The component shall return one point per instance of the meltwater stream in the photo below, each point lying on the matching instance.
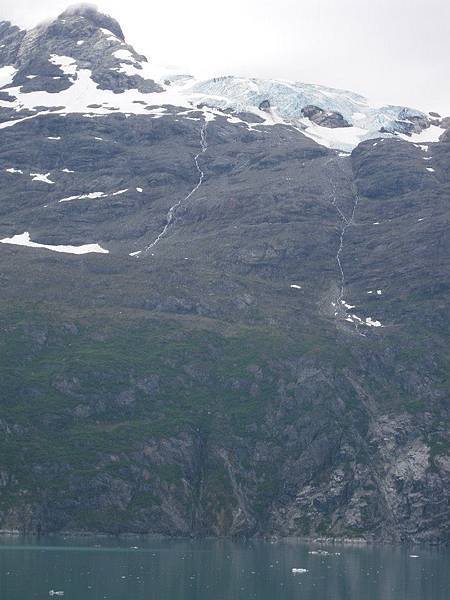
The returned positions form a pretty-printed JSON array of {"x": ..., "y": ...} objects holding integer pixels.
[
  {"x": 173, "y": 209},
  {"x": 131, "y": 569}
]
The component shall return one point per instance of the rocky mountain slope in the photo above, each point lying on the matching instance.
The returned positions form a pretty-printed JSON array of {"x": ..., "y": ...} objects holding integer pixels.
[{"x": 224, "y": 304}]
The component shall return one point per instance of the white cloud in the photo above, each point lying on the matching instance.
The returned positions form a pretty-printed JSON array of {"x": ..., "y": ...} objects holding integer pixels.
[{"x": 391, "y": 50}]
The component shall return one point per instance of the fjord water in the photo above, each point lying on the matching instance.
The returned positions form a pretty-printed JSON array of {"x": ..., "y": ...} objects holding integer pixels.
[{"x": 101, "y": 569}]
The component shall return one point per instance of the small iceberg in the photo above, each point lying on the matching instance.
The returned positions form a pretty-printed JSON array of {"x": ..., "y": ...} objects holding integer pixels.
[
  {"x": 299, "y": 570},
  {"x": 56, "y": 593}
]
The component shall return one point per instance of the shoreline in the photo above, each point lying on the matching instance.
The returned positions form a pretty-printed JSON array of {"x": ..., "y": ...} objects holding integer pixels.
[{"x": 324, "y": 541}]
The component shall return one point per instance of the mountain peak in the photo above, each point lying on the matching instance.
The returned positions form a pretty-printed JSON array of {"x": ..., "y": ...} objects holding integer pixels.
[{"x": 91, "y": 13}]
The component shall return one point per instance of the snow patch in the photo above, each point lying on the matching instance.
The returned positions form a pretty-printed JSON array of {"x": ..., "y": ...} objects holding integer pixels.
[
  {"x": 41, "y": 177},
  {"x": 430, "y": 134},
  {"x": 90, "y": 196},
  {"x": 340, "y": 138},
  {"x": 7, "y": 74},
  {"x": 123, "y": 54},
  {"x": 371, "y": 323},
  {"x": 67, "y": 64},
  {"x": 23, "y": 239},
  {"x": 347, "y": 306}
]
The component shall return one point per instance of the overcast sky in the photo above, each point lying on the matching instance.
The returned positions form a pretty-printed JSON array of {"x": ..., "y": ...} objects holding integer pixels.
[{"x": 394, "y": 51}]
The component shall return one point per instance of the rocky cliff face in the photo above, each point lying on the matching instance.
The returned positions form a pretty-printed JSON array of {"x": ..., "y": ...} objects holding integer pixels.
[{"x": 211, "y": 324}]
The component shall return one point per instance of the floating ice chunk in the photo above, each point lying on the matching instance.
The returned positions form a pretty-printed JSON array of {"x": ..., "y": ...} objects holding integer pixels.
[
  {"x": 377, "y": 223},
  {"x": 430, "y": 169},
  {"x": 294, "y": 570},
  {"x": 370, "y": 292},
  {"x": 139, "y": 189},
  {"x": 99, "y": 139},
  {"x": 53, "y": 138},
  {"x": 135, "y": 253},
  {"x": 427, "y": 158},
  {"x": 119, "y": 192},
  {"x": 295, "y": 286},
  {"x": 423, "y": 147},
  {"x": 23, "y": 239},
  {"x": 12, "y": 170},
  {"x": 413, "y": 556},
  {"x": 80, "y": 42},
  {"x": 31, "y": 76},
  {"x": 41, "y": 177},
  {"x": 65, "y": 170},
  {"x": 379, "y": 292}
]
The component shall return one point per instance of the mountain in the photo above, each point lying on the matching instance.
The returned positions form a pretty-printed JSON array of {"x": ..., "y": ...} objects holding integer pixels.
[{"x": 224, "y": 303}]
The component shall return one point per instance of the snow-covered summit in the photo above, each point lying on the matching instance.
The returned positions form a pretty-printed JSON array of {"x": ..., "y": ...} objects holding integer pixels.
[{"x": 80, "y": 62}]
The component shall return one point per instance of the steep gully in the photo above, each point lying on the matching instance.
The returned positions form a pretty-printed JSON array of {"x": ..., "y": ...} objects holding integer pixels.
[
  {"x": 340, "y": 305},
  {"x": 170, "y": 217},
  {"x": 346, "y": 222}
]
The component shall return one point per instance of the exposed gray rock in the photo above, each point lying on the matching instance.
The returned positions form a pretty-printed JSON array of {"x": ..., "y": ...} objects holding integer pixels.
[
  {"x": 87, "y": 36},
  {"x": 217, "y": 383},
  {"x": 324, "y": 118}
]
